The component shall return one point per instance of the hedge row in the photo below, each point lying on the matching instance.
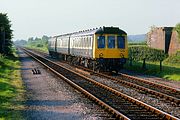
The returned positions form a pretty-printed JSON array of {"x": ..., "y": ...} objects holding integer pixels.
[{"x": 139, "y": 53}]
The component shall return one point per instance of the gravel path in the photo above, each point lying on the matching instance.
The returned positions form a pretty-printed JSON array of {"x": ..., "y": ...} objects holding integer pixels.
[{"x": 49, "y": 97}]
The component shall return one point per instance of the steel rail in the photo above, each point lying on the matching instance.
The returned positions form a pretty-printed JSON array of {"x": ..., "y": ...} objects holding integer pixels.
[{"x": 139, "y": 103}]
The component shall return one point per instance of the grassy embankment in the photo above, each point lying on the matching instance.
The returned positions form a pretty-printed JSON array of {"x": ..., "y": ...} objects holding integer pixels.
[
  {"x": 170, "y": 70},
  {"x": 11, "y": 88}
]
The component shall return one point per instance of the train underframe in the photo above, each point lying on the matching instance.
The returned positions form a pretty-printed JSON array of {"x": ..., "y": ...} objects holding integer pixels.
[{"x": 99, "y": 65}]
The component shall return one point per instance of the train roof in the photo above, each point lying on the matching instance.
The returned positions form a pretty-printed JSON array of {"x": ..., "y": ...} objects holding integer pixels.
[
  {"x": 101, "y": 30},
  {"x": 110, "y": 30}
]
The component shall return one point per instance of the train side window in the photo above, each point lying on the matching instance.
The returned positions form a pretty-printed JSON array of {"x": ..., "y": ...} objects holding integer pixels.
[
  {"x": 101, "y": 41},
  {"x": 121, "y": 42},
  {"x": 111, "y": 41}
]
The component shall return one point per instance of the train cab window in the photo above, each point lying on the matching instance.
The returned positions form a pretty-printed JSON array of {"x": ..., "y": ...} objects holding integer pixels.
[
  {"x": 111, "y": 41},
  {"x": 121, "y": 42},
  {"x": 101, "y": 41}
]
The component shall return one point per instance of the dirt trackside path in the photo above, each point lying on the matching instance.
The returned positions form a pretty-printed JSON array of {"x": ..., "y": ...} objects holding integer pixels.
[{"x": 49, "y": 97}]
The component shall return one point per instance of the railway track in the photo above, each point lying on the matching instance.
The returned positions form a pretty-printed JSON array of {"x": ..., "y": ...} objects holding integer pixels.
[
  {"x": 158, "y": 90},
  {"x": 121, "y": 105},
  {"x": 166, "y": 90}
]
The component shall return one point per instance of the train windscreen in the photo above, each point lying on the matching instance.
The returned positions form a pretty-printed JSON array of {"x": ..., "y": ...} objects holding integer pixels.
[
  {"x": 101, "y": 41},
  {"x": 111, "y": 41},
  {"x": 121, "y": 42}
]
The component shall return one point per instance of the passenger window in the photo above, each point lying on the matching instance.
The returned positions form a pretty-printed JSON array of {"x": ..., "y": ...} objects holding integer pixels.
[
  {"x": 101, "y": 41},
  {"x": 111, "y": 41},
  {"x": 121, "y": 42}
]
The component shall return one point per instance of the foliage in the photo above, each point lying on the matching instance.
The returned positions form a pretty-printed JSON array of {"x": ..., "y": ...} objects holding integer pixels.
[
  {"x": 20, "y": 42},
  {"x": 173, "y": 59},
  {"x": 169, "y": 70},
  {"x": 137, "y": 44},
  {"x": 38, "y": 43},
  {"x": 5, "y": 34},
  {"x": 139, "y": 53},
  {"x": 177, "y": 28},
  {"x": 11, "y": 88}
]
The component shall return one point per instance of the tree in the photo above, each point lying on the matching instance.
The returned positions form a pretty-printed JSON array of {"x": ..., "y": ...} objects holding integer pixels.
[
  {"x": 5, "y": 34},
  {"x": 30, "y": 39},
  {"x": 177, "y": 28}
]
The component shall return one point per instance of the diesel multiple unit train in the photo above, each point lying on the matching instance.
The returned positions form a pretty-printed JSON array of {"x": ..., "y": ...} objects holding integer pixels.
[{"x": 103, "y": 48}]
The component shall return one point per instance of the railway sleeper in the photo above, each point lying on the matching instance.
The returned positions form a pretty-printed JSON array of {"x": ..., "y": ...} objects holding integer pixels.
[
  {"x": 142, "y": 115},
  {"x": 146, "y": 118}
]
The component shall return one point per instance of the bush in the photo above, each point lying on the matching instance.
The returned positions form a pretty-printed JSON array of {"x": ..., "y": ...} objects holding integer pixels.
[
  {"x": 142, "y": 52},
  {"x": 173, "y": 59},
  {"x": 39, "y": 45}
]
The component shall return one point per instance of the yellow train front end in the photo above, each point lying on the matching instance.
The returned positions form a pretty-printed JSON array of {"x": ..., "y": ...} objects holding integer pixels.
[{"x": 110, "y": 48}]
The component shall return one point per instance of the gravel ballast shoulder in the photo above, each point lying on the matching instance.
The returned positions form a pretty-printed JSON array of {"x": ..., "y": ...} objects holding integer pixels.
[{"x": 49, "y": 97}]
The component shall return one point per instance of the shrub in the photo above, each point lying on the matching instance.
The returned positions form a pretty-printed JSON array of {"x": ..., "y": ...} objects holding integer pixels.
[{"x": 142, "y": 52}]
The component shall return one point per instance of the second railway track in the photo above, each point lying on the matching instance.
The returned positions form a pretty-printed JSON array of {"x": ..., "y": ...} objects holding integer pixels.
[
  {"x": 162, "y": 91},
  {"x": 121, "y": 105}
]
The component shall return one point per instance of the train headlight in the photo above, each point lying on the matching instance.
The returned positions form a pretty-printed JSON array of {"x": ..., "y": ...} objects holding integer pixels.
[
  {"x": 101, "y": 55},
  {"x": 121, "y": 55}
]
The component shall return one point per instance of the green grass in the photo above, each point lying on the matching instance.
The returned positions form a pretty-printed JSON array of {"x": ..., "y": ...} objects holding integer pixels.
[
  {"x": 169, "y": 71},
  {"x": 43, "y": 49},
  {"x": 39, "y": 45},
  {"x": 11, "y": 88}
]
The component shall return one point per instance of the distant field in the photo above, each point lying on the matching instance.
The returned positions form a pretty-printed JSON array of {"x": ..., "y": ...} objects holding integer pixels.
[
  {"x": 11, "y": 88},
  {"x": 39, "y": 45},
  {"x": 44, "y": 49}
]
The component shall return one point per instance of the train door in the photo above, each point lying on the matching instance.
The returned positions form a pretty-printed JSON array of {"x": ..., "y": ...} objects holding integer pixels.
[
  {"x": 69, "y": 44},
  {"x": 55, "y": 47}
]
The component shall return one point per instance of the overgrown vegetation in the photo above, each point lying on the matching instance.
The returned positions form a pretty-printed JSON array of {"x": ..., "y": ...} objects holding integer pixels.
[
  {"x": 11, "y": 88},
  {"x": 173, "y": 60},
  {"x": 177, "y": 28},
  {"x": 5, "y": 34}
]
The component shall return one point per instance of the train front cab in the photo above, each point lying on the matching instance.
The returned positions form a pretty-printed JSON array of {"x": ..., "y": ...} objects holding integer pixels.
[{"x": 110, "y": 51}]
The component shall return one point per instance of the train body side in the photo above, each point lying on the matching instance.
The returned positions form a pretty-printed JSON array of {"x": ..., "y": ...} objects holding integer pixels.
[
  {"x": 52, "y": 45},
  {"x": 82, "y": 45},
  {"x": 104, "y": 48},
  {"x": 63, "y": 44}
]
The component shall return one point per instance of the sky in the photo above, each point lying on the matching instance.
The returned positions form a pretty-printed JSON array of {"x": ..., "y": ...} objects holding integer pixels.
[{"x": 35, "y": 18}]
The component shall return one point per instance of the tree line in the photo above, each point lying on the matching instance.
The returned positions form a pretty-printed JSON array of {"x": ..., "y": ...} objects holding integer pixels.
[{"x": 5, "y": 34}]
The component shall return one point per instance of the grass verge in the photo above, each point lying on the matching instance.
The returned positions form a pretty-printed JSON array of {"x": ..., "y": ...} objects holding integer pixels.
[
  {"x": 169, "y": 71},
  {"x": 11, "y": 88}
]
